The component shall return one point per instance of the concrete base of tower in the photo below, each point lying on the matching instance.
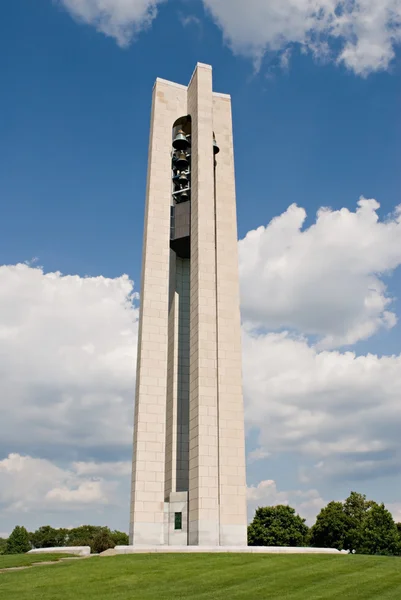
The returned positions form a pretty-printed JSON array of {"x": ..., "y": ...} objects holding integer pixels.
[
  {"x": 203, "y": 533},
  {"x": 146, "y": 534},
  {"x": 233, "y": 535}
]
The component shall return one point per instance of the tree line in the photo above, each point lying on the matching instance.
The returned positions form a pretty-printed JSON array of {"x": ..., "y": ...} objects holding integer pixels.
[
  {"x": 357, "y": 525},
  {"x": 97, "y": 537}
]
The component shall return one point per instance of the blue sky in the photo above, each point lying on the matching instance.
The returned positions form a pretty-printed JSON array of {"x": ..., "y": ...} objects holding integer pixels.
[{"x": 316, "y": 123}]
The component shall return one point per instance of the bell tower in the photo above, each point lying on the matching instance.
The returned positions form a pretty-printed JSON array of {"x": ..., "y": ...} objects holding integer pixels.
[{"x": 188, "y": 477}]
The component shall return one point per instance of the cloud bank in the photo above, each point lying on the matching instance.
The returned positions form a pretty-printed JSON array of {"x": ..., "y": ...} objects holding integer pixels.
[
  {"x": 67, "y": 363},
  {"x": 362, "y": 35},
  {"x": 34, "y": 484},
  {"x": 307, "y": 503},
  {"x": 326, "y": 280},
  {"x": 119, "y": 19},
  {"x": 67, "y": 367},
  {"x": 338, "y": 410}
]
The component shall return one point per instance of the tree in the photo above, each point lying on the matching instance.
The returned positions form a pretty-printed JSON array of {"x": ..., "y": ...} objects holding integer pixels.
[
  {"x": 3, "y": 545},
  {"x": 356, "y": 508},
  {"x": 358, "y": 525},
  {"x": 18, "y": 542},
  {"x": 378, "y": 534},
  {"x": 331, "y": 527},
  {"x": 102, "y": 541},
  {"x": 96, "y": 537},
  {"x": 84, "y": 535},
  {"x": 277, "y": 526},
  {"x": 48, "y": 537},
  {"x": 120, "y": 538}
]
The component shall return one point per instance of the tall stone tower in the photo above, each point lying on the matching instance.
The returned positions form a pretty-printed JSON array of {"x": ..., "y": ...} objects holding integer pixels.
[{"x": 188, "y": 480}]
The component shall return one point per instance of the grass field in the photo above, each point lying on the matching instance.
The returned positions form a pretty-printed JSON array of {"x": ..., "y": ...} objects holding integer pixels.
[
  {"x": 24, "y": 560},
  {"x": 208, "y": 577}
]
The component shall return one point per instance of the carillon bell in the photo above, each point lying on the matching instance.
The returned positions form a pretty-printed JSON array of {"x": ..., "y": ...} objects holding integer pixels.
[
  {"x": 216, "y": 149},
  {"x": 183, "y": 179},
  {"x": 182, "y": 162},
  {"x": 183, "y": 197},
  {"x": 180, "y": 141}
]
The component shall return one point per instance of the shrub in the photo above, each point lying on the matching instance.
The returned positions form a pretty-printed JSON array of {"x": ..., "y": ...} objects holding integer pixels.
[{"x": 18, "y": 542}]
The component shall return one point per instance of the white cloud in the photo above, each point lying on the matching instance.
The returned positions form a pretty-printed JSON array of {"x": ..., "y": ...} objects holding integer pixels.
[
  {"x": 257, "y": 454},
  {"x": 187, "y": 20},
  {"x": 87, "y": 492},
  {"x": 395, "y": 510},
  {"x": 67, "y": 364},
  {"x": 266, "y": 494},
  {"x": 32, "y": 484},
  {"x": 103, "y": 469},
  {"x": 67, "y": 367},
  {"x": 361, "y": 34},
  {"x": 120, "y": 19},
  {"x": 365, "y": 31},
  {"x": 307, "y": 503},
  {"x": 324, "y": 280},
  {"x": 340, "y": 410},
  {"x": 285, "y": 58}
]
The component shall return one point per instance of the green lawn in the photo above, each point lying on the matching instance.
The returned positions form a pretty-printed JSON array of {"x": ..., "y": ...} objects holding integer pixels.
[
  {"x": 209, "y": 577},
  {"x": 23, "y": 560}
]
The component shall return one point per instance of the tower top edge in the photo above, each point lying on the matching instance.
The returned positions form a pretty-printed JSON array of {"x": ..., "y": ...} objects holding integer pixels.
[
  {"x": 172, "y": 83},
  {"x": 179, "y": 85},
  {"x": 219, "y": 95},
  {"x": 185, "y": 87},
  {"x": 203, "y": 66},
  {"x": 200, "y": 65}
]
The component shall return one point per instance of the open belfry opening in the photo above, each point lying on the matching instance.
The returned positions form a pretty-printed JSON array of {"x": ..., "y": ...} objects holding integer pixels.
[{"x": 188, "y": 479}]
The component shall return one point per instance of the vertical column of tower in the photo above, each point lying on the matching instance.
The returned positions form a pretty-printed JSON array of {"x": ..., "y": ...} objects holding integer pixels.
[
  {"x": 203, "y": 424},
  {"x": 172, "y": 382},
  {"x": 148, "y": 477},
  {"x": 183, "y": 341},
  {"x": 232, "y": 479}
]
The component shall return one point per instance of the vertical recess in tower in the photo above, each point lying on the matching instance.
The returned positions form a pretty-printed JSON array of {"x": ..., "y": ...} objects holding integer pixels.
[
  {"x": 181, "y": 188},
  {"x": 180, "y": 243}
]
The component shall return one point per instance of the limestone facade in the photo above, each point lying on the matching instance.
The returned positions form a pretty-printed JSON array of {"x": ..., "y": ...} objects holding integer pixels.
[{"x": 189, "y": 455}]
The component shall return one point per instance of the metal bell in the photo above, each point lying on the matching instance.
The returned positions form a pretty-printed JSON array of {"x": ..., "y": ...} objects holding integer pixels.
[
  {"x": 182, "y": 162},
  {"x": 183, "y": 179},
  {"x": 216, "y": 149},
  {"x": 183, "y": 197},
  {"x": 180, "y": 141}
]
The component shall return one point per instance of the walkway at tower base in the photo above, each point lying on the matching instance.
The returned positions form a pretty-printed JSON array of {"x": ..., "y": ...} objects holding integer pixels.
[{"x": 225, "y": 549}]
